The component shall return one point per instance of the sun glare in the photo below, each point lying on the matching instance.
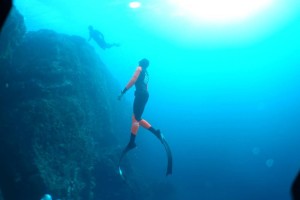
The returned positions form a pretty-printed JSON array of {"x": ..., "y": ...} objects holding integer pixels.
[
  {"x": 219, "y": 11},
  {"x": 134, "y": 4}
]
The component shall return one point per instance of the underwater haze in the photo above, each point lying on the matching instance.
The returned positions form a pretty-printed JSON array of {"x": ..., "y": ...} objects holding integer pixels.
[{"x": 224, "y": 87}]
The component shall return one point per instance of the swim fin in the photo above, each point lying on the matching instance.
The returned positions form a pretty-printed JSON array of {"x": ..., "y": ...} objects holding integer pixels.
[
  {"x": 170, "y": 158},
  {"x": 129, "y": 147},
  {"x": 161, "y": 138},
  {"x": 168, "y": 151}
]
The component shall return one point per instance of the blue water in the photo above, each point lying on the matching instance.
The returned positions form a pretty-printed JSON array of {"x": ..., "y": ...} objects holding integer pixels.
[{"x": 226, "y": 96}]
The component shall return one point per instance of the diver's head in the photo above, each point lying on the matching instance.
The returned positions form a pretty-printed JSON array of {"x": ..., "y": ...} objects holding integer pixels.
[
  {"x": 144, "y": 63},
  {"x": 91, "y": 27}
]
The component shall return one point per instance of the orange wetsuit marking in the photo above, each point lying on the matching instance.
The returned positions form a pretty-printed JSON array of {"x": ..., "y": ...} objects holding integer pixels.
[
  {"x": 134, "y": 126},
  {"x": 144, "y": 124}
]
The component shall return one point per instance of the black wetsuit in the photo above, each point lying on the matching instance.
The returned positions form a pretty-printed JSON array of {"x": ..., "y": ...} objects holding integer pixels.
[
  {"x": 141, "y": 94},
  {"x": 140, "y": 79},
  {"x": 99, "y": 38}
]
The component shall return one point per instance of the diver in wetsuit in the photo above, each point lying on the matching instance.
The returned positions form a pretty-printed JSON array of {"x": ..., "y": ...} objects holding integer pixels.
[
  {"x": 140, "y": 80},
  {"x": 98, "y": 37}
]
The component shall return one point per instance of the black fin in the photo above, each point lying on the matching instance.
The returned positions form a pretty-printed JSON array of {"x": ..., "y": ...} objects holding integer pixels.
[
  {"x": 170, "y": 158},
  {"x": 129, "y": 147},
  {"x": 168, "y": 151}
]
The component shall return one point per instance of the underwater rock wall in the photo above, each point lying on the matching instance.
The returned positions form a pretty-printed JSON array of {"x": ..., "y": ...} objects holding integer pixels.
[
  {"x": 60, "y": 119},
  {"x": 11, "y": 35}
]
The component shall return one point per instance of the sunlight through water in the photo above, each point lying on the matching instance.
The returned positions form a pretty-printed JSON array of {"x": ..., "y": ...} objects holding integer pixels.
[
  {"x": 219, "y": 11},
  {"x": 134, "y": 4}
]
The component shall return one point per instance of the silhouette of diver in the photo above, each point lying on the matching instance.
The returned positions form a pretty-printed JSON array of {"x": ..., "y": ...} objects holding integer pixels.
[
  {"x": 296, "y": 188},
  {"x": 98, "y": 37},
  {"x": 140, "y": 80}
]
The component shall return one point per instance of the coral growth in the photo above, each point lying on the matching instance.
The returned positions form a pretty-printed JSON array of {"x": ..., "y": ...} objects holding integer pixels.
[{"x": 60, "y": 121}]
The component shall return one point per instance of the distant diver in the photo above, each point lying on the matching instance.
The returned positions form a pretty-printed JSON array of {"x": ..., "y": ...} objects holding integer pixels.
[
  {"x": 140, "y": 79},
  {"x": 98, "y": 37}
]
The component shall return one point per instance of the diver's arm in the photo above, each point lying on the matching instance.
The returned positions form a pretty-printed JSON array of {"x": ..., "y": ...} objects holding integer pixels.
[
  {"x": 131, "y": 82},
  {"x": 134, "y": 78}
]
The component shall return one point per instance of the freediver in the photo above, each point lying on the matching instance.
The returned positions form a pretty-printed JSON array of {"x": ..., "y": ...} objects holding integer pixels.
[
  {"x": 140, "y": 80},
  {"x": 98, "y": 37}
]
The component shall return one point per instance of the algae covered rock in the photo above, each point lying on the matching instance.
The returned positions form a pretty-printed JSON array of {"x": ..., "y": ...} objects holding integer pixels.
[
  {"x": 11, "y": 34},
  {"x": 60, "y": 120}
]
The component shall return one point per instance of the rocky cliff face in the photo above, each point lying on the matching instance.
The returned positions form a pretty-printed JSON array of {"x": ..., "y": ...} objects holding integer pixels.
[{"x": 60, "y": 120}]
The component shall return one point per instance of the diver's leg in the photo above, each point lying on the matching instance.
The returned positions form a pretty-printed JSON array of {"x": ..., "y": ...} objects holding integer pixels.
[
  {"x": 148, "y": 126},
  {"x": 159, "y": 136},
  {"x": 131, "y": 144},
  {"x": 100, "y": 43},
  {"x": 137, "y": 111},
  {"x": 139, "y": 105},
  {"x": 134, "y": 130},
  {"x": 115, "y": 44},
  {"x": 109, "y": 45}
]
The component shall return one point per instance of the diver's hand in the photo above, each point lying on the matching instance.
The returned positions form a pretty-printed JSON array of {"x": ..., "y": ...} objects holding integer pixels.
[
  {"x": 122, "y": 93},
  {"x": 120, "y": 96}
]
